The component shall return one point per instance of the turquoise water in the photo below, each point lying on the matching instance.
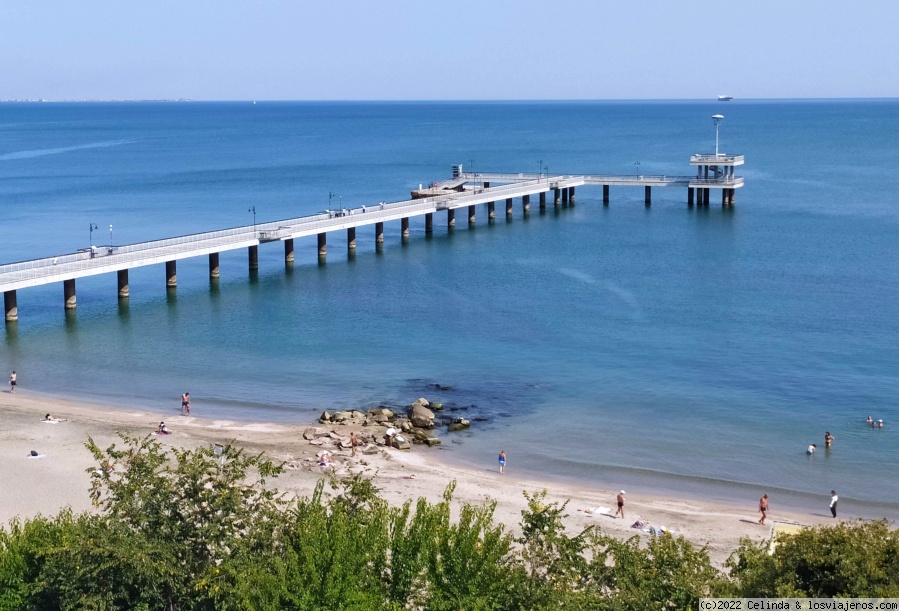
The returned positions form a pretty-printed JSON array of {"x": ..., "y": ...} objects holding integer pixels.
[{"x": 699, "y": 350}]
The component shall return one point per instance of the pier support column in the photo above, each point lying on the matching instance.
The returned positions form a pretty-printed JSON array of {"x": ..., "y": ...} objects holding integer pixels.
[
  {"x": 213, "y": 265},
  {"x": 724, "y": 197},
  {"x": 351, "y": 239},
  {"x": 68, "y": 288},
  {"x": 10, "y": 306},
  {"x": 253, "y": 257},
  {"x": 379, "y": 233},
  {"x": 450, "y": 219},
  {"x": 647, "y": 195},
  {"x": 706, "y": 196},
  {"x": 543, "y": 201},
  {"x": 404, "y": 227},
  {"x": 690, "y": 197},
  {"x": 322, "y": 245},
  {"x": 509, "y": 208},
  {"x": 429, "y": 222},
  {"x": 564, "y": 197},
  {"x": 571, "y": 195},
  {"x": 171, "y": 274},
  {"x": 556, "y": 197},
  {"x": 124, "y": 290},
  {"x": 472, "y": 218},
  {"x": 288, "y": 251},
  {"x": 526, "y": 203},
  {"x": 605, "y": 195},
  {"x": 486, "y": 185},
  {"x": 491, "y": 211},
  {"x": 732, "y": 194}
]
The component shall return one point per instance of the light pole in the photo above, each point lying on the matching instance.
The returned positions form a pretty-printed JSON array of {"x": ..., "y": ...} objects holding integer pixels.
[
  {"x": 110, "y": 237},
  {"x": 471, "y": 169},
  {"x": 539, "y": 170},
  {"x": 91, "y": 233},
  {"x": 253, "y": 210},
  {"x": 637, "y": 163},
  {"x": 716, "y": 118}
]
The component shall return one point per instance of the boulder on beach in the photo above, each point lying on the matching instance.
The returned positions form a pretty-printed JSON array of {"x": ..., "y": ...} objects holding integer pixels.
[
  {"x": 380, "y": 414},
  {"x": 325, "y": 417},
  {"x": 432, "y": 441},
  {"x": 309, "y": 434},
  {"x": 420, "y": 415},
  {"x": 400, "y": 443},
  {"x": 458, "y": 424}
]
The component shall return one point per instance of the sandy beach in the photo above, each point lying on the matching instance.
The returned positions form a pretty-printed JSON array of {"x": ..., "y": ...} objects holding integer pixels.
[{"x": 58, "y": 478}]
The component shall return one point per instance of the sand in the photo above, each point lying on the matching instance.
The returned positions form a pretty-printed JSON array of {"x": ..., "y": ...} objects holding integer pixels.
[{"x": 32, "y": 486}]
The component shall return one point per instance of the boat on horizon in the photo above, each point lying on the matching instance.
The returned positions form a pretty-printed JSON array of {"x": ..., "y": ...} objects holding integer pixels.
[{"x": 725, "y": 98}]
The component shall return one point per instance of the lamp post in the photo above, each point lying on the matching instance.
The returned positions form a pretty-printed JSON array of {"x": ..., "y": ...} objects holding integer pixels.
[
  {"x": 637, "y": 163},
  {"x": 539, "y": 170},
  {"x": 471, "y": 169},
  {"x": 91, "y": 233},
  {"x": 253, "y": 210},
  {"x": 717, "y": 119},
  {"x": 110, "y": 236}
]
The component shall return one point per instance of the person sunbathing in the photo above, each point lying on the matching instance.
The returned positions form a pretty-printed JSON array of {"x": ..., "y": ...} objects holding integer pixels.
[
  {"x": 49, "y": 418},
  {"x": 161, "y": 430}
]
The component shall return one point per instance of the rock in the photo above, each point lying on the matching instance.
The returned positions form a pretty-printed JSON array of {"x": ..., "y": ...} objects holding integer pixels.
[
  {"x": 317, "y": 442},
  {"x": 420, "y": 415},
  {"x": 381, "y": 414},
  {"x": 345, "y": 444},
  {"x": 325, "y": 417},
  {"x": 480, "y": 419},
  {"x": 435, "y": 406},
  {"x": 432, "y": 441},
  {"x": 442, "y": 387},
  {"x": 400, "y": 443},
  {"x": 420, "y": 435},
  {"x": 370, "y": 449},
  {"x": 406, "y": 426},
  {"x": 341, "y": 416},
  {"x": 459, "y": 424},
  {"x": 309, "y": 434},
  {"x": 320, "y": 432}
]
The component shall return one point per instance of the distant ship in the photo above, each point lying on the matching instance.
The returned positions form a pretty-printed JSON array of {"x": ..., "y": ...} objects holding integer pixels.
[{"x": 725, "y": 98}]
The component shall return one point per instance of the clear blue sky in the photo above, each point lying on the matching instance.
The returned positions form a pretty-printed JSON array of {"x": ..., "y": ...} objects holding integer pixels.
[{"x": 448, "y": 50}]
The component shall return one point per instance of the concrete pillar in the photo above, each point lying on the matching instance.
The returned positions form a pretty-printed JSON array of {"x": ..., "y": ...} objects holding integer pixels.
[
  {"x": 556, "y": 197},
  {"x": 724, "y": 197},
  {"x": 429, "y": 222},
  {"x": 404, "y": 226},
  {"x": 351, "y": 239},
  {"x": 450, "y": 218},
  {"x": 733, "y": 192},
  {"x": 605, "y": 194},
  {"x": 526, "y": 203},
  {"x": 471, "y": 215},
  {"x": 288, "y": 251},
  {"x": 543, "y": 201},
  {"x": 509, "y": 208},
  {"x": 647, "y": 195},
  {"x": 253, "y": 256},
  {"x": 564, "y": 197},
  {"x": 213, "y": 265},
  {"x": 705, "y": 197},
  {"x": 689, "y": 196},
  {"x": 486, "y": 185},
  {"x": 10, "y": 306},
  {"x": 124, "y": 290},
  {"x": 171, "y": 273},
  {"x": 571, "y": 195},
  {"x": 491, "y": 211},
  {"x": 322, "y": 244},
  {"x": 68, "y": 287},
  {"x": 379, "y": 233}
]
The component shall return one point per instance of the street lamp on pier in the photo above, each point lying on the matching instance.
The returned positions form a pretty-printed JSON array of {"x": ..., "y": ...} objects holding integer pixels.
[
  {"x": 717, "y": 119},
  {"x": 93, "y": 226},
  {"x": 253, "y": 210}
]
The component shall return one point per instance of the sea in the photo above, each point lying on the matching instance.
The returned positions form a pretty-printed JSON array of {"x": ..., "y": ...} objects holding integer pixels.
[{"x": 667, "y": 349}]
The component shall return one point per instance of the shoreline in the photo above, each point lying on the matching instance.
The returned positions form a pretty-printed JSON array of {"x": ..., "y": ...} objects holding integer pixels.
[{"x": 59, "y": 479}]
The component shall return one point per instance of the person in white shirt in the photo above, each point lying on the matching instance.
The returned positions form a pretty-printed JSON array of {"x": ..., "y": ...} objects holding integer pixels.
[{"x": 833, "y": 502}]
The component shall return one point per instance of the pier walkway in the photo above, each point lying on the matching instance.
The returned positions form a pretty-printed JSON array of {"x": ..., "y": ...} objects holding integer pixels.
[{"x": 465, "y": 190}]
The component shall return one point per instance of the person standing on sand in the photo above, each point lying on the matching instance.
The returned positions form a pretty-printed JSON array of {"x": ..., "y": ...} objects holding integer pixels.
[
  {"x": 13, "y": 381},
  {"x": 763, "y": 508},
  {"x": 185, "y": 404},
  {"x": 502, "y": 462},
  {"x": 833, "y": 502},
  {"x": 354, "y": 441},
  {"x": 620, "y": 500}
]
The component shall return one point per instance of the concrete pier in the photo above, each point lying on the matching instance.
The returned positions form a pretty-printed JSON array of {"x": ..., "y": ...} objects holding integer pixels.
[
  {"x": 253, "y": 257},
  {"x": 404, "y": 227},
  {"x": 68, "y": 288},
  {"x": 557, "y": 196},
  {"x": 124, "y": 289},
  {"x": 542, "y": 197},
  {"x": 526, "y": 203},
  {"x": 214, "y": 265},
  {"x": 10, "y": 306},
  {"x": 429, "y": 222},
  {"x": 450, "y": 219},
  {"x": 472, "y": 219},
  {"x": 351, "y": 239},
  {"x": 322, "y": 245},
  {"x": 379, "y": 233},
  {"x": 288, "y": 251},
  {"x": 605, "y": 195},
  {"x": 690, "y": 196},
  {"x": 171, "y": 274},
  {"x": 491, "y": 211},
  {"x": 509, "y": 208},
  {"x": 564, "y": 197},
  {"x": 647, "y": 195},
  {"x": 571, "y": 195}
]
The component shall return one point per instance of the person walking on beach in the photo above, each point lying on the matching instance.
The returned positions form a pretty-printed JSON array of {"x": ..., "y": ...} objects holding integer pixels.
[
  {"x": 828, "y": 439},
  {"x": 833, "y": 503},
  {"x": 185, "y": 404},
  {"x": 354, "y": 441},
  {"x": 620, "y": 500},
  {"x": 13, "y": 381},
  {"x": 502, "y": 462},
  {"x": 763, "y": 508}
]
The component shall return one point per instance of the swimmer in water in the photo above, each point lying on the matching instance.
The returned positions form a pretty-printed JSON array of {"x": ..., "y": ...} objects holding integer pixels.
[
  {"x": 870, "y": 420},
  {"x": 828, "y": 439},
  {"x": 811, "y": 449}
]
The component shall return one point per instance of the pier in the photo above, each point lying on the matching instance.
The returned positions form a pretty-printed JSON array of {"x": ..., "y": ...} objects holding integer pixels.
[{"x": 464, "y": 191}]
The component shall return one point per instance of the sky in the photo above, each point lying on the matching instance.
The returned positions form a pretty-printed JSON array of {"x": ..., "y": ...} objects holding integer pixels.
[{"x": 456, "y": 50}]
